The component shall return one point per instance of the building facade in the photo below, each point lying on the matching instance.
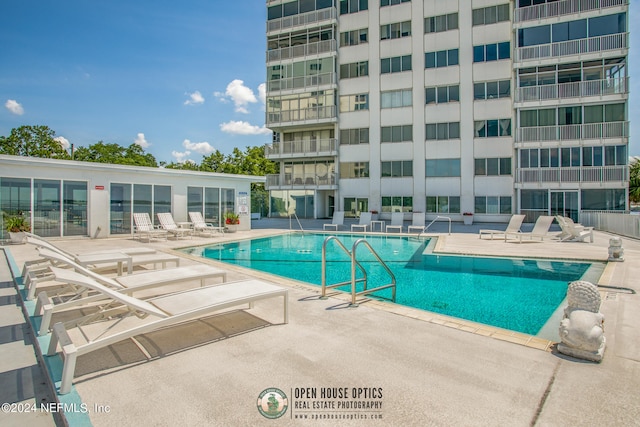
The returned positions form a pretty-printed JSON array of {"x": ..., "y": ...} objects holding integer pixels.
[
  {"x": 490, "y": 107},
  {"x": 62, "y": 198}
]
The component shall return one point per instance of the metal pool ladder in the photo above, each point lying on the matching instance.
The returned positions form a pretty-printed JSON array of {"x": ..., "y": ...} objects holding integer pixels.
[{"x": 355, "y": 263}]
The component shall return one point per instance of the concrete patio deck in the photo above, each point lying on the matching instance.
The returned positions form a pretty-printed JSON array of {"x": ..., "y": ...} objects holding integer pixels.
[{"x": 415, "y": 369}]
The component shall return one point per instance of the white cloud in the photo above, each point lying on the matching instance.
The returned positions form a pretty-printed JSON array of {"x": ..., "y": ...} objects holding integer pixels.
[
  {"x": 262, "y": 93},
  {"x": 203, "y": 148},
  {"x": 14, "y": 107},
  {"x": 194, "y": 98},
  {"x": 243, "y": 128},
  {"x": 141, "y": 141},
  {"x": 241, "y": 95},
  {"x": 64, "y": 142},
  {"x": 180, "y": 157}
]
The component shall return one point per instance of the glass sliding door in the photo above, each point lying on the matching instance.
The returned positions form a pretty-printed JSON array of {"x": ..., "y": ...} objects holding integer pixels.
[
  {"x": 228, "y": 200},
  {"x": 194, "y": 200},
  {"x": 212, "y": 206},
  {"x": 46, "y": 208},
  {"x": 565, "y": 203},
  {"x": 142, "y": 201},
  {"x": 161, "y": 199},
  {"x": 75, "y": 208},
  {"x": 15, "y": 199},
  {"x": 120, "y": 215}
]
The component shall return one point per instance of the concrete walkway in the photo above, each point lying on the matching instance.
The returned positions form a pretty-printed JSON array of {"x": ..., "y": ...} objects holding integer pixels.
[{"x": 420, "y": 371}]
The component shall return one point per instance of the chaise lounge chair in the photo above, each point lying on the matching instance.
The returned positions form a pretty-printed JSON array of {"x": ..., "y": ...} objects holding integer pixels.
[
  {"x": 417, "y": 222},
  {"x": 145, "y": 228},
  {"x": 75, "y": 297},
  {"x": 540, "y": 230},
  {"x": 200, "y": 226},
  {"x": 513, "y": 227},
  {"x": 167, "y": 223},
  {"x": 397, "y": 220},
  {"x": 78, "y": 338},
  {"x": 365, "y": 221},
  {"x": 336, "y": 222},
  {"x": 573, "y": 232}
]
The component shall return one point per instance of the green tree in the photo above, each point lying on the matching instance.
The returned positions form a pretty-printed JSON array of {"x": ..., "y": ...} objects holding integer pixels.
[
  {"x": 33, "y": 141},
  {"x": 100, "y": 152},
  {"x": 634, "y": 182}
]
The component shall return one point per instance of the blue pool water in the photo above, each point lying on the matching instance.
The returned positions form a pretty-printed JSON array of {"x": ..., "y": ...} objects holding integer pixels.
[{"x": 515, "y": 294}]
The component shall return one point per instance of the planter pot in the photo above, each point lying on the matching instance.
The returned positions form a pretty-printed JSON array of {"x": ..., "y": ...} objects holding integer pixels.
[
  {"x": 231, "y": 228},
  {"x": 468, "y": 219},
  {"x": 17, "y": 237}
]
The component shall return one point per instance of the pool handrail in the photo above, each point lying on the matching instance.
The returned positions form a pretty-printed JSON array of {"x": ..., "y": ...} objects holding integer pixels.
[
  {"x": 366, "y": 291},
  {"x": 434, "y": 220},
  {"x": 324, "y": 267}
]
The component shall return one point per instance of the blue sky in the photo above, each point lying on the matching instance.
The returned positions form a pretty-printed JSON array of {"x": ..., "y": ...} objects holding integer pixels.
[{"x": 182, "y": 79}]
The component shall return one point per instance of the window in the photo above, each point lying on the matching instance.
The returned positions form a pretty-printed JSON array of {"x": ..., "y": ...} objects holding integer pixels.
[
  {"x": 604, "y": 200},
  {"x": 397, "y": 169},
  {"x": 442, "y": 94},
  {"x": 492, "y": 90},
  {"x": 442, "y": 131},
  {"x": 392, "y": 2},
  {"x": 492, "y": 52},
  {"x": 396, "y": 133},
  {"x": 396, "y": 64},
  {"x": 491, "y": 15},
  {"x": 443, "y": 204},
  {"x": 355, "y": 69},
  {"x": 354, "y": 102},
  {"x": 354, "y": 170},
  {"x": 354, "y": 38},
  {"x": 441, "y": 58},
  {"x": 396, "y": 99},
  {"x": 397, "y": 204},
  {"x": 492, "y": 205},
  {"x": 492, "y": 128},
  {"x": 354, "y": 136},
  {"x": 442, "y": 167},
  {"x": 395, "y": 31},
  {"x": 437, "y": 24},
  {"x": 493, "y": 166},
  {"x": 353, "y": 6}
]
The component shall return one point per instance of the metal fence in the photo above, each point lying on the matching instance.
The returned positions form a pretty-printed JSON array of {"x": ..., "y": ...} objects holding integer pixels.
[{"x": 624, "y": 224}]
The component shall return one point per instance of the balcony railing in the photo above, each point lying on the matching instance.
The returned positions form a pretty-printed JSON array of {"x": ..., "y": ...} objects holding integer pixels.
[
  {"x": 573, "y": 174},
  {"x": 302, "y": 181},
  {"x": 324, "y": 46},
  {"x": 573, "y": 90},
  {"x": 318, "y": 147},
  {"x": 313, "y": 114},
  {"x": 574, "y": 132},
  {"x": 565, "y": 7},
  {"x": 301, "y": 82},
  {"x": 302, "y": 19},
  {"x": 573, "y": 47}
]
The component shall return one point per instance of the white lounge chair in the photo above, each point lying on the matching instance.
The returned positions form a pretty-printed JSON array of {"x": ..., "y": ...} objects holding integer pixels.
[
  {"x": 540, "y": 230},
  {"x": 78, "y": 338},
  {"x": 397, "y": 221},
  {"x": 417, "y": 222},
  {"x": 572, "y": 231},
  {"x": 200, "y": 226},
  {"x": 364, "y": 222},
  {"x": 336, "y": 222},
  {"x": 75, "y": 297},
  {"x": 513, "y": 227},
  {"x": 145, "y": 228},
  {"x": 167, "y": 223}
]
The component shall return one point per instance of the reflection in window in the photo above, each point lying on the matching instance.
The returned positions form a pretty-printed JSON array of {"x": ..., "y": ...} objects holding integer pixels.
[{"x": 75, "y": 208}]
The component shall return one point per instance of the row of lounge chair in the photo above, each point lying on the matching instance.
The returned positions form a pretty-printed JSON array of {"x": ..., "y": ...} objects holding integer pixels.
[
  {"x": 365, "y": 221},
  {"x": 144, "y": 227},
  {"x": 100, "y": 311}
]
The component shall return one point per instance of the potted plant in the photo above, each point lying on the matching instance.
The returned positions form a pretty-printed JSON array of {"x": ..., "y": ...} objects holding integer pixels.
[
  {"x": 467, "y": 217},
  {"x": 16, "y": 226},
  {"x": 231, "y": 221}
]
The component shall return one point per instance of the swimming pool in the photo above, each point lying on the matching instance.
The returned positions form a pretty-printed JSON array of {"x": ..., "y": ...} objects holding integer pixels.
[{"x": 516, "y": 294}]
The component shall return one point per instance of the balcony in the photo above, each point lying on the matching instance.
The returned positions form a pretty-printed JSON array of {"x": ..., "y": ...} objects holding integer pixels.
[
  {"x": 324, "y": 79},
  {"x": 565, "y": 7},
  {"x": 573, "y": 90},
  {"x": 324, "y": 46},
  {"x": 573, "y": 174},
  {"x": 320, "y": 114},
  {"x": 574, "y": 132},
  {"x": 306, "y": 148},
  {"x": 573, "y": 47},
  {"x": 301, "y": 182},
  {"x": 303, "y": 19}
]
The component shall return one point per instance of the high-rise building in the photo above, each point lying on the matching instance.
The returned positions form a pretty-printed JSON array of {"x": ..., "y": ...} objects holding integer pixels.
[{"x": 490, "y": 107}]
